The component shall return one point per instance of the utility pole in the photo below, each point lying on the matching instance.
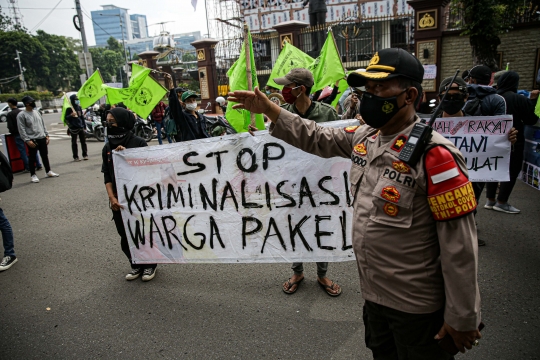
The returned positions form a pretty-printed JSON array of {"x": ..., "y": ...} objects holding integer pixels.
[
  {"x": 83, "y": 35},
  {"x": 124, "y": 43},
  {"x": 23, "y": 83}
]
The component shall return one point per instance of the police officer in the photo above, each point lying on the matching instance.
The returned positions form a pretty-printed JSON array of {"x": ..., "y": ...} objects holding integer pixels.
[{"x": 414, "y": 234}]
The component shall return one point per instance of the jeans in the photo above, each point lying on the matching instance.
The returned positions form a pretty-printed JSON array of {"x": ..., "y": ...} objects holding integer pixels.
[
  {"x": 322, "y": 268},
  {"x": 41, "y": 146},
  {"x": 396, "y": 335},
  {"x": 22, "y": 150},
  {"x": 7, "y": 235},
  {"x": 516, "y": 159},
  {"x": 74, "y": 148},
  {"x": 159, "y": 125},
  {"x": 117, "y": 217}
]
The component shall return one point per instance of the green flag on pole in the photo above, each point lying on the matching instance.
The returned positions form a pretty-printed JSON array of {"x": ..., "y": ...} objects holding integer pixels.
[
  {"x": 138, "y": 75},
  {"x": 146, "y": 97},
  {"x": 240, "y": 119},
  {"x": 117, "y": 95},
  {"x": 91, "y": 90},
  {"x": 537, "y": 108},
  {"x": 289, "y": 58},
  {"x": 327, "y": 68},
  {"x": 66, "y": 105}
]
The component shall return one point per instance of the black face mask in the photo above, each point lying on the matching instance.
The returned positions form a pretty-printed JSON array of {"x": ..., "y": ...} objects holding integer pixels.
[
  {"x": 377, "y": 111},
  {"x": 452, "y": 106},
  {"x": 32, "y": 105}
]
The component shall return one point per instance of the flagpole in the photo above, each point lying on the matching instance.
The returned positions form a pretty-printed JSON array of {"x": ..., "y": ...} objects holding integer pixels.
[
  {"x": 337, "y": 49},
  {"x": 247, "y": 49}
]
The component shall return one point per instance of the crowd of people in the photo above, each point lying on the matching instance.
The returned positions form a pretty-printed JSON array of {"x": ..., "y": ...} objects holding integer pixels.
[{"x": 418, "y": 272}]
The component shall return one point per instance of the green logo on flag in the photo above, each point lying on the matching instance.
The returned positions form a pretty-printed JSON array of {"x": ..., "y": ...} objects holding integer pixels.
[
  {"x": 143, "y": 97},
  {"x": 90, "y": 90}
]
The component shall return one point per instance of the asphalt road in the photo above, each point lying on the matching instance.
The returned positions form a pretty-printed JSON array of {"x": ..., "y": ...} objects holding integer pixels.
[{"x": 67, "y": 298}]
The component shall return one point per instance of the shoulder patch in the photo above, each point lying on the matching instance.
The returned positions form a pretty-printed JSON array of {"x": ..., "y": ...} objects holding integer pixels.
[
  {"x": 360, "y": 149},
  {"x": 401, "y": 167},
  {"x": 450, "y": 193},
  {"x": 399, "y": 143},
  {"x": 351, "y": 129}
]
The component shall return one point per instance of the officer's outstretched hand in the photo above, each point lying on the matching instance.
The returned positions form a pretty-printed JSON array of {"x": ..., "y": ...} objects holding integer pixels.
[
  {"x": 255, "y": 101},
  {"x": 462, "y": 339}
]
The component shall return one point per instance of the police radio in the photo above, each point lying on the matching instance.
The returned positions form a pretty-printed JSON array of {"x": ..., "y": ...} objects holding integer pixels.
[{"x": 420, "y": 135}]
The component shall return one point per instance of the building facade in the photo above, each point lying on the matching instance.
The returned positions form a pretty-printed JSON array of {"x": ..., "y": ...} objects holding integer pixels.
[{"x": 116, "y": 22}]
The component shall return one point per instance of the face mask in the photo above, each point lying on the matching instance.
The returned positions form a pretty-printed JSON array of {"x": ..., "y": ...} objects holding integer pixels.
[
  {"x": 116, "y": 131},
  {"x": 452, "y": 106},
  {"x": 377, "y": 111},
  {"x": 77, "y": 102},
  {"x": 191, "y": 106},
  {"x": 267, "y": 92},
  {"x": 287, "y": 94},
  {"x": 32, "y": 105}
]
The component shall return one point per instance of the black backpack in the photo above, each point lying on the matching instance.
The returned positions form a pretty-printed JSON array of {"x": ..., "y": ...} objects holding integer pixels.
[
  {"x": 6, "y": 175},
  {"x": 473, "y": 107}
]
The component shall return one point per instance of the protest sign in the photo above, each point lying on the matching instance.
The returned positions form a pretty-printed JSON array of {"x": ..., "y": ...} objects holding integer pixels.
[
  {"x": 235, "y": 199},
  {"x": 531, "y": 157},
  {"x": 483, "y": 141}
]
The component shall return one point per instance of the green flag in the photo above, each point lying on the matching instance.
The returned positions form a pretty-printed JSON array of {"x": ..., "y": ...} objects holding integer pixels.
[
  {"x": 138, "y": 75},
  {"x": 537, "y": 108},
  {"x": 289, "y": 58},
  {"x": 91, "y": 90},
  {"x": 342, "y": 87},
  {"x": 66, "y": 105},
  {"x": 240, "y": 119},
  {"x": 146, "y": 97},
  {"x": 116, "y": 95},
  {"x": 327, "y": 68}
]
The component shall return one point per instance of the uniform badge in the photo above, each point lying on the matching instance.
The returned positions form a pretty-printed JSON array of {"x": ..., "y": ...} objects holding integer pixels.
[
  {"x": 360, "y": 149},
  {"x": 375, "y": 136},
  {"x": 351, "y": 129},
  {"x": 391, "y": 209},
  {"x": 387, "y": 107},
  {"x": 399, "y": 143},
  {"x": 390, "y": 193},
  {"x": 401, "y": 167}
]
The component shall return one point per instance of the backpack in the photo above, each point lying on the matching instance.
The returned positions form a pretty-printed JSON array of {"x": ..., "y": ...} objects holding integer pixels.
[
  {"x": 473, "y": 107},
  {"x": 6, "y": 175}
]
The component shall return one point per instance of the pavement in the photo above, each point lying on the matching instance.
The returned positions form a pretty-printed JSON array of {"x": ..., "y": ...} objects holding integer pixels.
[{"x": 66, "y": 298}]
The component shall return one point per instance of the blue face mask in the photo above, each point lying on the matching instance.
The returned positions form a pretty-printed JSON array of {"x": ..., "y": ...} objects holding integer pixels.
[{"x": 77, "y": 102}]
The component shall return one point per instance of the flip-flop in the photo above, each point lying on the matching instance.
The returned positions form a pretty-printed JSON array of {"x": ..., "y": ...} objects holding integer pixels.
[
  {"x": 297, "y": 283},
  {"x": 326, "y": 287}
]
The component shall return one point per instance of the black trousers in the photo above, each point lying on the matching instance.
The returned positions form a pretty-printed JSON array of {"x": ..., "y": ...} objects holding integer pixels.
[
  {"x": 317, "y": 36},
  {"x": 395, "y": 335},
  {"x": 41, "y": 146},
  {"x": 117, "y": 217},
  {"x": 516, "y": 159},
  {"x": 74, "y": 148}
]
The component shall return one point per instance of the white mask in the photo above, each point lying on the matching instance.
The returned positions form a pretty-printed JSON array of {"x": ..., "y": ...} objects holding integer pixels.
[{"x": 191, "y": 106}]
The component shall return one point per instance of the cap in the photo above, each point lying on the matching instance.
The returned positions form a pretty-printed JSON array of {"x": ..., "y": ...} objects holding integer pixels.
[
  {"x": 388, "y": 64},
  {"x": 497, "y": 76},
  {"x": 27, "y": 99},
  {"x": 180, "y": 89},
  {"x": 481, "y": 73},
  {"x": 462, "y": 85},
  {"x": 298, "y": 76},
  {"x": 465, "y": 75},
  {"x": 188, "y": 94}
]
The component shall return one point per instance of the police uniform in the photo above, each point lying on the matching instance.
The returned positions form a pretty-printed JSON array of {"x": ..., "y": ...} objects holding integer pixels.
[{"x": 414, "y": 234}]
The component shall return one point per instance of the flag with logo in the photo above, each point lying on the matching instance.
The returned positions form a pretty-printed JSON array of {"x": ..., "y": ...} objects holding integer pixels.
[
  {"x": 327, "y": 67},
  {"x": 66, "y": 105},
  {"x": 146, "y": 97},
  {"x": 138, "y": 75},
  {"x": 240, "y": 119},
  {"x": 289, "y": 58},
  {"x": 118, "y": 95},
  {"x": 91, "y": 90}
]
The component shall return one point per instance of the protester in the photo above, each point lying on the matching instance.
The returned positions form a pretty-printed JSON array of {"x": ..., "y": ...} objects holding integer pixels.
[
  {"x": 496, "y": 78},
  {"x": 271, "y": 90},
  {"x": 6, "y": 180},
  {"x": 522, "y": 111},
  {"x": 120, "y": 123},
  {"x": 14, "y": 131},
  {"x": 297, "y": 87},
  {"x": 157, "y": 115},
  {"x": 34, "y": 133},
  {"x": 222, "y": 104},
  {"x": 190, "y": 125},
  {"x": 75, "y": 121},
  {"x": 352, "y": 106},
  {"x": 328, "y": 94},
  {"x": 417, "y": 264}
]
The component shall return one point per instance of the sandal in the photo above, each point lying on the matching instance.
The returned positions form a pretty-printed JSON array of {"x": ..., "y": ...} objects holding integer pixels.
[
  {"x": 326, "y": 288},
  {"x": 289, "y": 291}
]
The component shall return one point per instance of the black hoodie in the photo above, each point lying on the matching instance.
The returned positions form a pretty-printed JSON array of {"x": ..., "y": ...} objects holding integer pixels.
[
  {"x": 521, "y": 108},
  {"x": 188, "y": 127},
  {"x": 74, "y": 123}
]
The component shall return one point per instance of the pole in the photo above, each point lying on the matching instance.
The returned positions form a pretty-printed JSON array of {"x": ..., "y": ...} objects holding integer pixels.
[
  {"x": 124, "y": 43},
  {"x": 249, "y": 78},
  {"x": 206, "y": 11},
  {"x": 20, "y": 68},
  {"x": 83, "y": 35},
  {"x": 121, "y": 80}
]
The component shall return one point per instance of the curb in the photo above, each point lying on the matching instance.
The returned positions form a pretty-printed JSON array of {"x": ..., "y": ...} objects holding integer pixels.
[{"x": 52, "y": 111}]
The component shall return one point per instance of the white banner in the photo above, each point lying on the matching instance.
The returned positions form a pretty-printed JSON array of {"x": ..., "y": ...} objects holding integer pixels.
[
  {"x": 483, "y": 141},
  {"x": 235, "y": 199}
]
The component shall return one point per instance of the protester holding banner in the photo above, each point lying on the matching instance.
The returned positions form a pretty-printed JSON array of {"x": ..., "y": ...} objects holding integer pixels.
[
  {"x": 76, "y": 124},
  {"x": 414, "y": 234},
  {"x": 522, "y": 110},
  {"x": 120, "y": 123}
]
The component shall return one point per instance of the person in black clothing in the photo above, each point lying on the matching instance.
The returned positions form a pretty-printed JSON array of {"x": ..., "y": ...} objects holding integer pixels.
[
  {"x": 327, "y": 99},
  {"x": 522, "y": 109},
  {"x": 120, "y": 123},
  {"x": 75, "y": 121},
  {"x": 190, "y": 125},
  {"x": 14, "y": 131}
]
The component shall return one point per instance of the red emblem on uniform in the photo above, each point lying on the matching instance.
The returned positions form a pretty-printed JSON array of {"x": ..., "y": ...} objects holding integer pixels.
[
  {"x": 360, "y": 149},
  {"x": 351, "y": 129},
  {"x": 375, "y": 136},
  {"x": 401, "y": 167},
  {"x": 391, "y": 209},
  {"x": 399, "y": 143},
  {"x": 390, "y": 193}
]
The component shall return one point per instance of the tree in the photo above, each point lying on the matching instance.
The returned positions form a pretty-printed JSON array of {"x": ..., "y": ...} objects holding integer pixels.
[
  {"x": 188, "y": 57},
  {"x": 483, "y": 22},
  {"x": 114, "y": 45},
  {"x": 107, "y": 61}
]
